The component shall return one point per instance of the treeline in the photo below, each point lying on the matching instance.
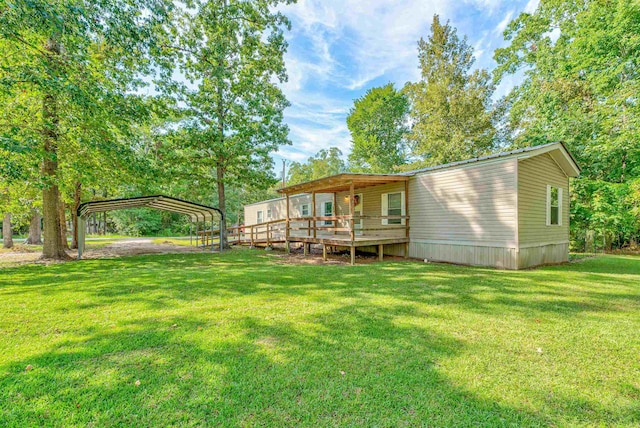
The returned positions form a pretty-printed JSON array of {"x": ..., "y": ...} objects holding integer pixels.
[
  {"x": 120, "y": 98},
  {"x": 580, "y": 63}
]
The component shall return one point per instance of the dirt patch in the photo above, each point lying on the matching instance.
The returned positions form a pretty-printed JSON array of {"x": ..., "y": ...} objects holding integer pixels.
[
  {"x": 23, "y": 254},
  {"x": 133, "y": 247}
]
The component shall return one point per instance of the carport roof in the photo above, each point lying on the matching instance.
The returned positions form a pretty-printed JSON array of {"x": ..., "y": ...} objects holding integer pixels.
[{"x": 161, "y": 202}]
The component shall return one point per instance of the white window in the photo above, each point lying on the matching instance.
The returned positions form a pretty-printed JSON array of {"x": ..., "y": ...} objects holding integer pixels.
[
  {"x": 327, "y": 212},
  {"x": 554, "y": 206},
  {"x": 269, "y": 217},
  {"x": 304, "y": 210},
  {"x": 393, "y": 205},
  {"x": 260, "y": 217}
]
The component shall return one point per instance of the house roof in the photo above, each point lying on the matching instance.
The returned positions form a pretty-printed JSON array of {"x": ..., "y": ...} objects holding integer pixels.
[
  {"x": 161, "y": 202},
  {"x": 342, "y": 182},
  {"x": 556, "y": 150}
]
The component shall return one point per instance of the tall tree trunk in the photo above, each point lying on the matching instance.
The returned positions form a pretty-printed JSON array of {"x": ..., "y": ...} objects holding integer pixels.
[
  {"x": 7, "y": 233},
  {"x": 53, "y": 247},
  {"x": 222, "y": 205},
  {"x": 74, "y": 213},
  {"x": 62, "y": 217},
  {"x": 35, "y": 228}
]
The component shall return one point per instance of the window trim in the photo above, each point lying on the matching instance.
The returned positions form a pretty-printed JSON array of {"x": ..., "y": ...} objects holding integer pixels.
[
  {"x": 259, "y": 216},
  {"x": 324, "y": 212},
  {"x": 385, "y": 208},
  {"x": 302, "y": 209},
  {"x": 560, "y": 205},
  {"x": 269, "y": 214}
]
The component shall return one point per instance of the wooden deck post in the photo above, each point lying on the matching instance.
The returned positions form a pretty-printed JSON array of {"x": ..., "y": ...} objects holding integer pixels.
[
  {"x": 313, "y": 211},
  {"x": 352, "y": 231},
  {"x": 251, "y": 227},
  {"x": 335, "y": 213},
  {"x": 268, "y": 244},
  {"x": 287, "y": 228},
  {"x": 406, "y": 220},
  {"x": 306, "y": 248},
  {"x": 353, "y": 255},
  {"x": 324, "y": 252},
  {"x": 380, "y": 252}
]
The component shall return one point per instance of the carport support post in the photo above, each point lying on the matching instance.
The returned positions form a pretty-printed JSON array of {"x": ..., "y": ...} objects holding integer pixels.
[
  {"x": 212, "y": 235},
  {"x": 82, "y": 228},
  {"x": 220, "y": 231},
  {"x": 190, "y": 231}
]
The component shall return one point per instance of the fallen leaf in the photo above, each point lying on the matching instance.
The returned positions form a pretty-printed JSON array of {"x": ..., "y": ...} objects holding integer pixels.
[
  {"x": 342, "y": 372},
  {"x": 539, "y": 350},
  {"x": 137, "y": 383},
  {"x": 29, "y": 367}
]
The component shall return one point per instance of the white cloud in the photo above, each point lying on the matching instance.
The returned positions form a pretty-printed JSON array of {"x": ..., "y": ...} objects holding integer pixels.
[
  {"x": 531, "y": 6},
  {"x": 340, "y": 48},
  {"x": 504, "y": 23}
]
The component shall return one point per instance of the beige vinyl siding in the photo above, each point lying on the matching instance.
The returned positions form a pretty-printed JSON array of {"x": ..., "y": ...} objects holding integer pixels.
[
  {"x": 372, "y": 205},
  {"x": 534, "y": 175},
  {"x": 279, "y": 206},
  {"x": 467, "y": 206}
]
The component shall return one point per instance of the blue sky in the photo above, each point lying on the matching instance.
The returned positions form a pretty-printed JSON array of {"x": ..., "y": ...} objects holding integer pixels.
[{"x": 338, "y": 49}]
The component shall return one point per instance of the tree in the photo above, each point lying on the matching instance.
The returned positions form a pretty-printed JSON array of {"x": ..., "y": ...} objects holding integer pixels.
[
  {"x": 232, "y": 52},
  {"x": 378, "y": 124},
  {"x": 76, "y": 61},
  {"x": 322, "y": 164},
  {"x": 581, "y": 62},
  {"x": 451, "y": 107}
]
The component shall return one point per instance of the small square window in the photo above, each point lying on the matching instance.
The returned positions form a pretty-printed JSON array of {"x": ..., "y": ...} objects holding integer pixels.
[
  {"x": 260, "y": 217},
  {"x": 304, "y": 210}
]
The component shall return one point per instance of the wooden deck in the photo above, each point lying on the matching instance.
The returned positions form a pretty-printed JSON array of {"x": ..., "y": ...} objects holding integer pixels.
[{"x": 306, "y": 231}]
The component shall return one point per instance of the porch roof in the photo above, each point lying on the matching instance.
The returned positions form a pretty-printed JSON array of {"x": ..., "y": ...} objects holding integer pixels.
[{"x": 342, "y": 182}]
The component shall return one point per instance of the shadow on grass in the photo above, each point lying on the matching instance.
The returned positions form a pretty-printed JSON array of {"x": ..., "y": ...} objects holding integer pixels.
[
  {"x": 354, "y": 364},
  {"x": 563, "y": 290},
  {"x": 355, "y": 367}
]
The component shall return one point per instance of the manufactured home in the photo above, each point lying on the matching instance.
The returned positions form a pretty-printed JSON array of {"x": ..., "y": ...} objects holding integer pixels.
[{"x": 509, "y": 210}]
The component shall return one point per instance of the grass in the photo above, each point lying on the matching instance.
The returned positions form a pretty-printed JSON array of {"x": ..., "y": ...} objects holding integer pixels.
[{"x": 242, "y": 339}]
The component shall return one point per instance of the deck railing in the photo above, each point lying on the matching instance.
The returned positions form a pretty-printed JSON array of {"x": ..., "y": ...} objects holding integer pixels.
[{"x": 346, "y": 226}]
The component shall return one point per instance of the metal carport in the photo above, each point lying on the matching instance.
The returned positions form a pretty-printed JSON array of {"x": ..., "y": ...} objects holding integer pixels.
[{"x": 196, "y": 212}]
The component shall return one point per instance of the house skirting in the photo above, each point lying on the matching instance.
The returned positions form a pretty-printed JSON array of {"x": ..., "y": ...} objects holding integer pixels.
[{"x": 543, "y": 254}]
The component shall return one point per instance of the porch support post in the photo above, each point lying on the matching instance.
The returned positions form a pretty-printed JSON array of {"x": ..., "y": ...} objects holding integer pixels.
[
  {"x": 380, "y": 252},
  {"x": 212, "y": 235},
  {"x": 406, "y": 213},
  {"x": 287, "y": 227},
  {"x": 324, "y": 252},
  {"x": 313, "y": 211},
  {"x": 306, "y": 248},
  {"x": 335, "y": 213},
  {"x": 353, "y": 255},
  {"x": 190, "y": 231},
  {"x": 351, "y": 211}
]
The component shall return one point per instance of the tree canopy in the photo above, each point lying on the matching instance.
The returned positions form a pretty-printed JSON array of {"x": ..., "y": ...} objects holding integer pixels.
[{"x": 378, "y": 123}]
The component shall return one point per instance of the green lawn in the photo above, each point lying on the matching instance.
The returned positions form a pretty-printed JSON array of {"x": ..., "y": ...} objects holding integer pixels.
[{"x": 241, "y": 339}]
